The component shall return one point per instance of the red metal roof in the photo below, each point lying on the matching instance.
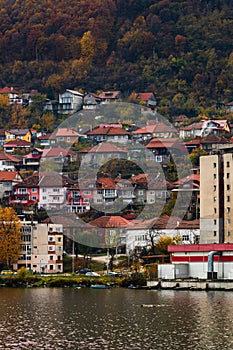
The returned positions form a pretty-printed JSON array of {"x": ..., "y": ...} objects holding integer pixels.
[{"x": 200, "y": 247}]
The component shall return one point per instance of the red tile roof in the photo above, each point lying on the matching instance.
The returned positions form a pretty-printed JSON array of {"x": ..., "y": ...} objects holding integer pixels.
[
  {"x": 8, "y": 157},
  {"x": 7, "y": 90},
  {"x": 110, "y": 221},
  {"x": 8, "y": 175},
  {"x": 55, "y": 152},
  {"x": 165, "y": 143},
  {"x": 104, "y": 147},
  {"x": 108, "y": 131},
  {"x": 17, "y": 143},
  {"x": 67, "y": 132}
]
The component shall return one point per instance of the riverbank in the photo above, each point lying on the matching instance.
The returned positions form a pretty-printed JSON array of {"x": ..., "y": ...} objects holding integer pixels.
[{"x": 192, "y": 284}]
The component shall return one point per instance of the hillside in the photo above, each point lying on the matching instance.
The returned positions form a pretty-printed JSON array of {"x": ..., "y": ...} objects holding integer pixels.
[{"x": 181, "y": 50}]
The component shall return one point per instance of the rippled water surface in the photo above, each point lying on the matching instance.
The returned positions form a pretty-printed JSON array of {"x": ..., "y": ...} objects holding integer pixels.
[{"x": 115, "y": 319}]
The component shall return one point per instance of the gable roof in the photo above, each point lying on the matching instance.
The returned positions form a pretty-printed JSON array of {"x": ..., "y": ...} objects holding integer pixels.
[
  {"x": 9, "y": 176},
  {"x": 55, "y": 152},
  {"x": 7, "y": 90},
  {"x": 103, "y": 147},
  {"x": 8, "y": 157},
  {"x": 17, "y": 143},
  {"x": 18, "y": 132},
  {"x": 142, "y": 96},
  {"x": 67, "y": 132},
  {"x": 110, "y": 221},
  {"x": 108, "y": 131}
]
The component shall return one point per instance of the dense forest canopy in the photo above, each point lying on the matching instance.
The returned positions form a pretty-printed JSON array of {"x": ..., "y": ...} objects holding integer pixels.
[{"x": 181, "y": 50}]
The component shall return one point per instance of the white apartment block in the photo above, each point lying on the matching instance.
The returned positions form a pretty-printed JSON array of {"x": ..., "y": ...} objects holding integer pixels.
[{"x": 41, "y": 247}]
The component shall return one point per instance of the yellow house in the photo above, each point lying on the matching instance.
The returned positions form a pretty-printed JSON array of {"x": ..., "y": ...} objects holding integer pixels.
[{"x": 18, "y": 134}]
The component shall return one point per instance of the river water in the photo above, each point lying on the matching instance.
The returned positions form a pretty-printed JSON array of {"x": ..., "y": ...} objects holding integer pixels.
[{"x": 66, "y": 318}]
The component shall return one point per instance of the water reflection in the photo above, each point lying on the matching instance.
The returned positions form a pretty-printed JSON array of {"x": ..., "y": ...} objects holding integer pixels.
[{"x": 114, "y": 319}]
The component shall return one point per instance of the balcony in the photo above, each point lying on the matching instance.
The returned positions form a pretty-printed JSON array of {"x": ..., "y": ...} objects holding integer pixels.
[{"x": 112, "y": 194}]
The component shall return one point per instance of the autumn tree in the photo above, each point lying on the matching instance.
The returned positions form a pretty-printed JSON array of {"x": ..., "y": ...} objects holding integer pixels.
[
  {"x": 9, "y": 235},
  {"x": 164, "y": 241}
]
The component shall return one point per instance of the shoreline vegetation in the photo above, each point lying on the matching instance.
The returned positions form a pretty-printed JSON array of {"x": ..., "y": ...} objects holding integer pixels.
[{"x": 74, "y": 281}]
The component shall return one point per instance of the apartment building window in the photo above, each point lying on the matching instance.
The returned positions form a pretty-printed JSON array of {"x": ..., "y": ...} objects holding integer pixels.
[
  {"x": 215, "y": 187},
  {"x": 50, "y": 257},
  {"x": 215, "y": 222},
  {"x": 228, "y": 221},
  {"x": 59, "y": 239},
  {"x": 228, "y": 175},
  {"x": 228, "y": 198},
  {"x": 228, "y": 209},
  {"x": 50, "y": 267},
  {"x": 215, "y": 165},
  {"x": 215, "y": 176},
  {"x": 215, "y": 199},
  {"x": 228, "y": 164},
  {"x": 215, "y": 210},
  {"x": 228, "y": 187},
  {"x": 228, "y": 233},
  {"x": 215, "y": 233}
]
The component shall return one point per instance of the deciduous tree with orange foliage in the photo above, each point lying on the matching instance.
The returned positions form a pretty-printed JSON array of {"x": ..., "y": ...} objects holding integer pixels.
[{"x": 9, "y": 235}]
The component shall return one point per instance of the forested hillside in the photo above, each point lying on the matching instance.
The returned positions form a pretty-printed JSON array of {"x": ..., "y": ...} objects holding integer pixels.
[{"x": 181, "y": 50}]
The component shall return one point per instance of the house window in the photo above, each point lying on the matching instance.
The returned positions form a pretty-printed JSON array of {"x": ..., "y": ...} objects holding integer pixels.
[
  {"x": 33, "y": 189},
  {"x": 215, "y": 176},
  {"x": 228, "y": 187},
  {"x": 215, "y": 165},
  {"x": 59, "y": 239},
  {"x": 215, "y": 210},
  {"x": 185, "y": 238},
  {"x": 34, "y": 198},
  {"x": 228, "y": 209},
  {"x": 44, "y": 198},
  {"x": 228, "y": 233},
  {"x": 215, "y": 233},
  {"x": 51, "y": 257},
  {"x": 22, "y": 190},
  {"x": 215, "y": 187},
  {"x": 86, "y": 192},
  {"x": 228, "y": 221},
  {"x": 50, "y": 267},
  {"x": 215, "y": 199},
  {"x": 228, "y": 164},
  {"x": 59, "y": 267},
  {"x": 228, "y": 198},
  {"x": 228, "y": 175}
]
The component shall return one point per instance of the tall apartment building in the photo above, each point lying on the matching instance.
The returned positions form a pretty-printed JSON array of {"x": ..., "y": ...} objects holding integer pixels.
[
  {"x": 41, "y": 247},
  {"x": 216, "y": 202}
]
